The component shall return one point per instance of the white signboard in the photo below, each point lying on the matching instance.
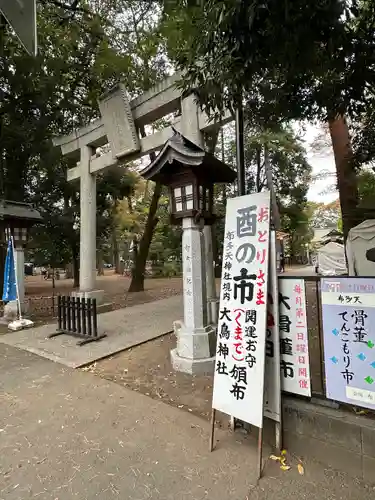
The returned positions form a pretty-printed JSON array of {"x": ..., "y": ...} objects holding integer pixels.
[
  {"x": 294, "y": 346},
  {"x": 241, "y": 340},
  {"x": 272, "y": 383},
  {"x": 348, "y": 309}
]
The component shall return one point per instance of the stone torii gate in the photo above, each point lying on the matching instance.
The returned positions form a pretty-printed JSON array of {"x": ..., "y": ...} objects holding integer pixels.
[{"x": 119, "y": 126}]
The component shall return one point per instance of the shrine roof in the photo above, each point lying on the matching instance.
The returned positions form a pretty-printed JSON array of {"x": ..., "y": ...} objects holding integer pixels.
[
  {"x": 179, "y": 152},
  {"x": 18, "y": 210}
]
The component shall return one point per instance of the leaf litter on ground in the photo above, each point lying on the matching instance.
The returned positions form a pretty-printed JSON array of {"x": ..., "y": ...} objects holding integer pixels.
[{"x": 283, "y": 462}]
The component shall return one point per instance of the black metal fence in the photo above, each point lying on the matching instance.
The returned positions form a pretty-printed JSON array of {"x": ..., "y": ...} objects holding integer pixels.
[{"x": 77, "y": 317}]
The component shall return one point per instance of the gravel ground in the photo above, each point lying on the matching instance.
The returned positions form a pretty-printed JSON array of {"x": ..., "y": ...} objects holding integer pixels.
[{"x": 67, "y": 434}]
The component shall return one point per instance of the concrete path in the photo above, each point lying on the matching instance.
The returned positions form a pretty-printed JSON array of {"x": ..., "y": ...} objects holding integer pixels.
[
  {"x": 66, "y": 434},
  {"x": 124, "y": 328}
]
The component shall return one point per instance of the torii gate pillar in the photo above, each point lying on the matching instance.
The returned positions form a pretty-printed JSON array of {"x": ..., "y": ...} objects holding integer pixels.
[{"x": 87, "y": 257}]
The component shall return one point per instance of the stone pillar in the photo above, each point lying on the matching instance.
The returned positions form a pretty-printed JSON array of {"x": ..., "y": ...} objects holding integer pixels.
[
  {"x": 195, "y": 352},
  {"x": 87, "y": 259},
  {"x": 212, "y": 305},
  {"x": 190, "y": 121},
  {"x": 190, "y": 129}
]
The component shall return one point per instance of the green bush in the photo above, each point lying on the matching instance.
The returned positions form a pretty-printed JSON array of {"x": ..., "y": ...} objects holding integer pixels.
[{"x": 167, "y": 270}]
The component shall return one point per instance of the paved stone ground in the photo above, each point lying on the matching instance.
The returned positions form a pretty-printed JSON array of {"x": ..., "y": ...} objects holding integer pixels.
[
  {"x": 124, "y": 328},
  {"x": 67, "y": 434}
]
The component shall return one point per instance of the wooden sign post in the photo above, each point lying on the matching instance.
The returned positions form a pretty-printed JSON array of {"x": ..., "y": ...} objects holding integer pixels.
[{"x": 272, "y": 384}]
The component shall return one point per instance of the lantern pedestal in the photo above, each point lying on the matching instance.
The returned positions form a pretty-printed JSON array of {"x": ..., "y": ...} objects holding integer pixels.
[
  {"x": 98, "y": 295},
  {"x": 196, "y": 339},
  {"x": 192, "y": 354},
  {"x": 10, "y": 313},
  {"x": 212, "y": 305}
]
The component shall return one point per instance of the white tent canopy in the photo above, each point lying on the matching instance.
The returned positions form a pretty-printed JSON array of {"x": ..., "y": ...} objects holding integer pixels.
[
  {"x": 331, "y": 259},
  {"x": 361, "y": 240}
]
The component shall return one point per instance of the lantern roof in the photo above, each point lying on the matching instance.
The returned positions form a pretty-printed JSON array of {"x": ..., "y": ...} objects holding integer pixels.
[
  {"x": 15, "y": 210},
  {"x": 178, "y": 152}
]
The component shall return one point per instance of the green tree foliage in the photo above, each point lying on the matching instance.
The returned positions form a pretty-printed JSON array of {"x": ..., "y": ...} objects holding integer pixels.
[
  {"x": 366, "y": 187},
  {"x": 132, "y": 212},
  {"x": 329, "y": 215},
  {"x": 84, "y": 48},
  {"x": 291, "y": 175},
  {"x": 324, "y": 215},
  {"x": 288, "y": 60}
]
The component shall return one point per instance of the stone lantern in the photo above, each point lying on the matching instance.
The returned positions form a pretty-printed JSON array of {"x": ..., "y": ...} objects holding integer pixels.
[
  {"x": 190, "y": 195},
  {"x": 190, "y": 173},
  {"x": 16, "y": 219}
]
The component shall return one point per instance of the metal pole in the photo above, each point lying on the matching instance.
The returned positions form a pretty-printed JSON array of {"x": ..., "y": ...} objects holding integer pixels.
[
  {"x": 240, "y": 149},
  {"x": 260, "y": 452},
  {"x": 16, "y": 278},
  {"x": 74, "y": 314},
  {"x": 78, "y": 306},
  {"x": 273, "y": 283},
  {"x": 68, "y": 311},
  {"x": 260, "y": 430},
  {"x": 320, "y": 333},
  {"x": 59, "y": 312},
  {"x": 88, "y": 314},
  {"x": 83, "y": 311},
  {"x": 213, "y": 414},
  {"x": 2, "y": 44},
  {"x": 274, "y": 206},
  {"x": 95, "y": 318},
  {"x": 63, "y": 305}
]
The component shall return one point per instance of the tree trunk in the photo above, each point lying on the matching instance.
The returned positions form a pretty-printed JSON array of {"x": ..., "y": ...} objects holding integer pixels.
[
  {"x": 138, "y": 276},
  {"x": 99, "y": 262},
  {"x": 138, "y": 273},
  {"x": 75, "y": 262},
  {"x": 224, "y": 192},
  {"x": 69, "y": 271},
  {"x": 134, "y": 252},
  {"x": 259, "y": 170},
  {"x": 115, "y": 252},
  {"x": 346, "y": 175}
]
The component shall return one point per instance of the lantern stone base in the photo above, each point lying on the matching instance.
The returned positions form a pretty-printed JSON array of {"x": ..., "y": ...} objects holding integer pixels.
[
  {"x": 10, "y": 313},
  {"x": 192, "y": 366},
  {"x": 195, "y": 351},
  {"x": 93, "y": 294}
]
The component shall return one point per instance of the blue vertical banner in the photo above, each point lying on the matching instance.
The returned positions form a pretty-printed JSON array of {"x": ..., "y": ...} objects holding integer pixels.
[
  {"x": 10, "y": 286},
  {"x": 348, "y": 307}
]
